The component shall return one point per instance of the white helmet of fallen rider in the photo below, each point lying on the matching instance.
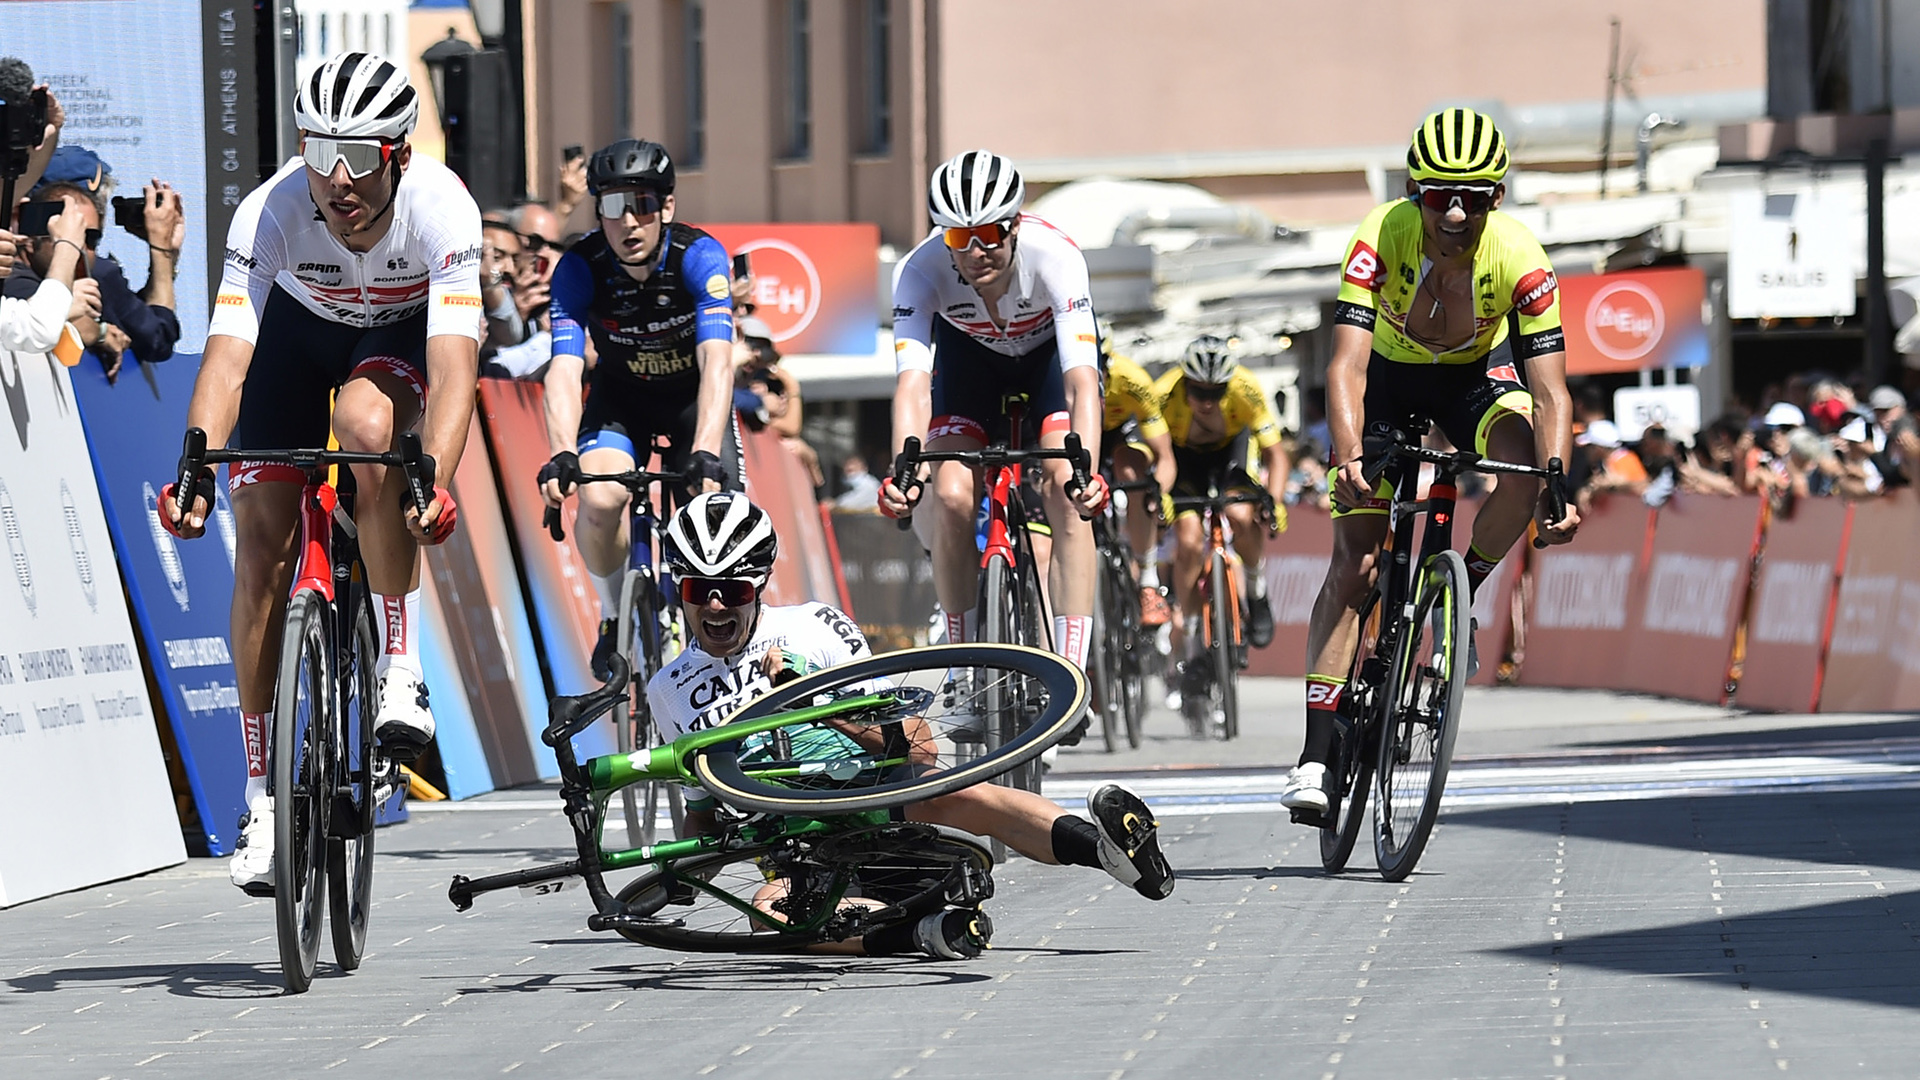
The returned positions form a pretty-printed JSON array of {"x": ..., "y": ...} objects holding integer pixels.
[
  {"x": 1208, "y": 360},
  {"x": 975, "y": 187},
  {"x": 357, "y": 95},
  {"x": 721, "y": 534}
]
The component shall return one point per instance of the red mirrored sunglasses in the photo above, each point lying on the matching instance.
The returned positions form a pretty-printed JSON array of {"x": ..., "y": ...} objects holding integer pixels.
[
  {"x": 733, "y": 592},
  {"x": 1473, "y": 200}
]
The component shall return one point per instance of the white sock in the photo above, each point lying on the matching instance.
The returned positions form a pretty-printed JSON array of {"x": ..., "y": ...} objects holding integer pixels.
[
  {"x": 253, "y": 737},
  {"x": 956, "y": 627},
  {"x": 1259, "y": 576},
  {"x": 1072, "y": 634},
  {"x": 1150, "y": 575},
  {"x": 400, "y": 618},
  {"x": 608, "y": 589}
]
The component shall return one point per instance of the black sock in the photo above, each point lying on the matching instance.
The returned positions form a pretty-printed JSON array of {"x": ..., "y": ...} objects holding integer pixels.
[
  {"x": 1323, "y": 717},
  {"x": 1479, "y": 567},
  {"x": 1076, "y": 841},
  {"x": 891, "y": 940}
]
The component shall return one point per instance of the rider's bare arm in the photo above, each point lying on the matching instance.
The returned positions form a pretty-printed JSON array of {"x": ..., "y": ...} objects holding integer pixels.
[
  {"x": 1346, "y": 404},
  {"x": 716, "y": 394},
  {"x": 215, "y": 409},
  {"x": 1552, "y": 432},
  {"x": 563, "y": 402}
]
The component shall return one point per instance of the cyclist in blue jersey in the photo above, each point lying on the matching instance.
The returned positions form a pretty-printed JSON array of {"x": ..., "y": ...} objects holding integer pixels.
[{"x": 655, "y": 298}]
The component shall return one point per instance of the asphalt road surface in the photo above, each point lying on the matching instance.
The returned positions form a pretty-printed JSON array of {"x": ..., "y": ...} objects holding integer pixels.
[{"x": 1618, "y": 887}]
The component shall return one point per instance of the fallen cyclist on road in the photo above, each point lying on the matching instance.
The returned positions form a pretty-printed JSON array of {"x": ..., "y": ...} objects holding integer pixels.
[{"x": 720, "y": 549}]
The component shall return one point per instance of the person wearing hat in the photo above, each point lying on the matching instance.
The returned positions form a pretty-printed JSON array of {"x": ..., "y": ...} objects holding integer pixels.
[
  {"x": 1860, "y": 475},
  {"x": 1900, "y": 433},
  {"x": 1615, "y": 468}
]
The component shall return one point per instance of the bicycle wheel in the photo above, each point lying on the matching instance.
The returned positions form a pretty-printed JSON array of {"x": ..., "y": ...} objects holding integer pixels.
[
  {"x": 1226, "y": 672},
  {"x": 929, "y": 693},
  {"x": 1428, "y": 679},
  {"x": 1033, "y": 627},
  {"x": 1104, "y": 663},
  {"x": 640, "y": 638},
  {"x": 350, "y": 850},
  {"x": 302, "y": 787},
  {"x": 1352, "y": 771}
]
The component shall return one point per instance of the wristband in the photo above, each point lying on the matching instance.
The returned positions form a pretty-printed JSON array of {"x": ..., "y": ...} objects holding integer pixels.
[
  {"x": 74, "y": 246},
  {"x": 171, "y": 253}
]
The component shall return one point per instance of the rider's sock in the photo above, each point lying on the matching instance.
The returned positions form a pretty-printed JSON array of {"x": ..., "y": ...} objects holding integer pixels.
[
  {"x": 1071, "y": 636},
  {"x": 1150, "y": 575},
  {"x": 399, "y": 617},
  {"x": 1193, "y": 636},
  {"x": 253, "y": 735},
  {"x": 608, "y": 589},
  {"x": 1257, "y": 580},
  {"x": 1323, "y": 716},
  {"x": 1479, "y": 565},
  {"x": 1076, "y": 841},
  {"x": 956, "y": 627}
]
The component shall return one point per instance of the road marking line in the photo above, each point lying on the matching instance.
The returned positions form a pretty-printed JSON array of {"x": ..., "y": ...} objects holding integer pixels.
[
  {"x": 376, "y": 1042},
  {"x": 33, "y": 1029},
  {"x": 550, "y": 1046},
  {"x": 412, "y": 1020},
  {"x": 97, "y": 1004},
  {"x": 145, "y": 1060}
]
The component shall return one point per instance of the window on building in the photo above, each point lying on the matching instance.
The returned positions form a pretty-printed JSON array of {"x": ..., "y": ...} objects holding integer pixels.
[
  {"x": 795, "y": 85},
  {"x": 324, "y": 51},
  {"x": 873, "y": 115},
  {"x": 694, "y": 63},
  {"x": 620, "y": 29},
  {"x": 299, "y": 34},
  {"x": 386, "y": 34},
  {"x": 366, "y": 33}
]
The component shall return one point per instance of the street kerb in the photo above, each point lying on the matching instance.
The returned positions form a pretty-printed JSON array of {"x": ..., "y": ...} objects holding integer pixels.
[
  {"x": 1693, "y": 597},
  {"x": 1872, "y": 650},
  {"x": 1296, "y": 564},
  {"x": 1793, "y": 606},
  {"x": 1578, "y": 628}
]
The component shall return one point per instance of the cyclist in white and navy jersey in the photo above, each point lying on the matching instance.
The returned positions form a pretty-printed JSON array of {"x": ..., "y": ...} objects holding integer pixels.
[
  {"x": 996, "y": 302},
  {"x": 720, "y": 549},
  {"x": 353, "y": 272}
]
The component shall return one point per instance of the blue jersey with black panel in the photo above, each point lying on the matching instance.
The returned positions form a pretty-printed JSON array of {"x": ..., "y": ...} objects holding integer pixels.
[{"x": 645, "y": 331}]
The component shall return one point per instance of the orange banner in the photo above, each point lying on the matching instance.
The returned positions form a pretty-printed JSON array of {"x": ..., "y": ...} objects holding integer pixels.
[
  {"x": 1793, "y": 606},
  {"x": 1584, "y": 596},
  {"x": 1872, "y": 657},
  {"x": 1694, "y": 596}
]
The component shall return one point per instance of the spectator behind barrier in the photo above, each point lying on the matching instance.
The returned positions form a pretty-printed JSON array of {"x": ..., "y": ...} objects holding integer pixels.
[
  {"x": 1860, "y": 476},
  {"x": 17, "y": 84},
  {"x": 757, "y": 371},
  {"x": 1609, "y": 465},
  {"x": 1900, "y": 432},
  {"x": 862, "y": 487},
  {"x": 145, "y": 321},
  {"x": 520, "y": 248},
  {"x": 46, "y": 285}
]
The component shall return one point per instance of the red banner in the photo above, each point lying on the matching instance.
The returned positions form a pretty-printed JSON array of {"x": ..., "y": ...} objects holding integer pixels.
[
  {"x": 1875, "y": 650},
  {"x": 1694, "y": 596},
  {"x": 815, "y": 286},
  {"x": 778, "y": 484},
  {"x": 1793, "y": 606},
  {"x": 1296, "y": 564},
  {"x": 1634, "y": 320},
  {"x": 1583, "y": 596}
]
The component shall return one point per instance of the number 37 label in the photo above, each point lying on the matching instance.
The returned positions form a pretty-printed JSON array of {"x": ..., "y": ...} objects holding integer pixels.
[{"x": 548, "y": 888}]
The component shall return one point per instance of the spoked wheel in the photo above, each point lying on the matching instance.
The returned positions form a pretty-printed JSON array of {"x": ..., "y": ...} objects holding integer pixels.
[
  {"x": 350, "y": 851},
  {"x": 1424, "y": 690},
  {"x": 1224, "y": 694},
  {"x": 906, "y": 706},
  {"x": 1011, "y": 616},
  {"x": 302, "y": 788},
  {"x": 1352, "y": 771},
  {"x": 640, "y": 640}
]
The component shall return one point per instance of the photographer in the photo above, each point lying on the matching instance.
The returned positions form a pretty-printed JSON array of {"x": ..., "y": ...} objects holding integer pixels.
[
  {"x": 50, "y": 294},
  {"x": 144, "y": 321},
  {"x": 17, "y": 88}
]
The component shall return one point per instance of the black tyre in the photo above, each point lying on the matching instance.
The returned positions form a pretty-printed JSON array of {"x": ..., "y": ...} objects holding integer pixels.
[
  {"x": 639, "y": 639},
  {"x": 1034, "y": 629},
  {"x": 302, "y": 773},
  {"x": 350, "y": 851},
  {"x": 928, "y": 694},
  {"x": 1424, "y": 691},
  {"x": 1105, "y": 662},
  {"x": 1352, "y": 772},
  {"x": 1226, "y": 671}
]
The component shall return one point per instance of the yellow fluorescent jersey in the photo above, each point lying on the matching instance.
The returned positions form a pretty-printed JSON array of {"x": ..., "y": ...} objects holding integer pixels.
[
  {"x": 1511, "y": 273},
  {"x": 1130, "y": 395},
  {"x": 1244, "y": 408}
]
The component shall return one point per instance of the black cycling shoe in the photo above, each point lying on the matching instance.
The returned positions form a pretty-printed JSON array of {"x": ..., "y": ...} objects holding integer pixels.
[
  {"x": 1259, "y": 622},
  {"x": 603, "y": 649},
  {"x": 1129, "y": 844},
  {"x": 954, "y": 934}
]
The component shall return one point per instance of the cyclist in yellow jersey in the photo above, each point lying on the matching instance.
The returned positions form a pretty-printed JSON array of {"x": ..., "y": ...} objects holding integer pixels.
[
  {"x": 1421, "y": 329},
  {"x": 1134, "y": 442},
  {"x": 1222, "y": 432}
]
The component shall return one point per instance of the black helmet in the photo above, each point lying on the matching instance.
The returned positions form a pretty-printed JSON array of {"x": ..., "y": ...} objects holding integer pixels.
[{"x": 631, "y": 163}]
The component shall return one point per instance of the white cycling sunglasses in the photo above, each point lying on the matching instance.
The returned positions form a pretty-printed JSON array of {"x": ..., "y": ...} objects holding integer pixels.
[{"x": 362, "y": 157}]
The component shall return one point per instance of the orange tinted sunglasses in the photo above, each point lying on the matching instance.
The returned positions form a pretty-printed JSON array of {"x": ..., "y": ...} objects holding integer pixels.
[{"x": 988, "y": 237}]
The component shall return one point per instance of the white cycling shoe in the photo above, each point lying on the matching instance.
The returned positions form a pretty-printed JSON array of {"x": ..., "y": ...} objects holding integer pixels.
[
  {"x": 1306, "y": 788},
  {"x": 406, "y": 720},
  {"x": 251, "y": 867}
]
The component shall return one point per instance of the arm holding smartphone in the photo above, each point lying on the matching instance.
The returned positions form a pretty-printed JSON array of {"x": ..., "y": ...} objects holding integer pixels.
[{"x": 573, "y": 181}]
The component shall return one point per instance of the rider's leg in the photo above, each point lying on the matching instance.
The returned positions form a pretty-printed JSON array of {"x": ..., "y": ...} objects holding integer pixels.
[
  {"x": 1334, "y": 628},
  {"x": 1036, "y": 827},
  {"x": 1073, "y": 562},
  {"x": 266, "y": 517},
  {"x": 1019, "y": 819},
  {"x": 1509, "y": 506},
  {"x": 1130, "y": 467},
  {"x": 1189, "y": 538},
  {"x": 602, "y": 525},
  {"x": 955, "y": 491},
  {"x": 1250, "y": 543}
]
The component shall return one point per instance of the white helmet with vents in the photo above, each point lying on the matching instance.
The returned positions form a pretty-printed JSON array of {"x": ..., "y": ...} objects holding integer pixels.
[
  {"x": 721, "y": 534},
  {"x": 976, "y": 187},
  {"x": 357, "y": 95},
  {"x": 1208, "y": 360}
]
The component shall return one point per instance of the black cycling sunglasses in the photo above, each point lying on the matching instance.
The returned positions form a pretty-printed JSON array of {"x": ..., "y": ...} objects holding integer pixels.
[
  {"x": 1206, "y": 391},
  {"x": 1473, "y": 200}
]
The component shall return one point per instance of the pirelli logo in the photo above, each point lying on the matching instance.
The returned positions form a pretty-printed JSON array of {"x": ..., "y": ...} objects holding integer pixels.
[
  {"x": 227, "y": 299},
  {"x": 459, "y": 300}
]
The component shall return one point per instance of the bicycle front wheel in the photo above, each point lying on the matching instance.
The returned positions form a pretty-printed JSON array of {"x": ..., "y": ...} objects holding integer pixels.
[
  {"x": 1352, "y": 771},
  {"x": 1226, "y": 671},
  {"x": 907, "y": 756},
  {"x": 641, "y": 640},
  {"x": 1425, "y": 687},
  {"x": 350, "y": 851},
  {"x": 302, "y": 787}
]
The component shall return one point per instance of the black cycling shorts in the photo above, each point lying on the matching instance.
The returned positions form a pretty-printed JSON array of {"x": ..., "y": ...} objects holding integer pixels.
[
  {"x": 299, "y": 359},
  {"x": 1465, "y": 400},
  {"x": 622, "y": 415},
  {"x": 970, "y": 382},
  {"x": 1223, "y": 468}
]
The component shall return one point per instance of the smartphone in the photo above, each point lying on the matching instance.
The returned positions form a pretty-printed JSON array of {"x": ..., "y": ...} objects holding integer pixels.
[
  {"x": 130, "y": 213},
  {"x": 34, "y": 216},
  {"x": 570, "y": 153},
  {"x": 740, "y": 267}
]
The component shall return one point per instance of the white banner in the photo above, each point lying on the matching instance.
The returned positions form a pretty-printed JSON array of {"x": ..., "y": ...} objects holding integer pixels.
[
  {"x": 83, "y": 788},
  {"x": 1790, "y": 255},
  {"x": 1675, "y": 408}
]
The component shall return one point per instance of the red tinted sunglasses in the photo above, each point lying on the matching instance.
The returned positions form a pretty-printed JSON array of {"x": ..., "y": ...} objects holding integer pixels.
[
  {"x": 988, "y": 237},
  {"x": 733, "y": 592},
  {"x": 1473, "y": 200}
]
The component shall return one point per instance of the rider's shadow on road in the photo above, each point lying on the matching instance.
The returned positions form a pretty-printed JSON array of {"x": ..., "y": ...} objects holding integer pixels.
[
  {"x": 746, "y": 973},
  {"x": 1239, "y": 873},
  {"x": 222, "y": 981}
]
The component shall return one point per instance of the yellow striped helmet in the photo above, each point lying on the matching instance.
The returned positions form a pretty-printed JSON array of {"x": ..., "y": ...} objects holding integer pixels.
[{"x": 1457, "y": 146}]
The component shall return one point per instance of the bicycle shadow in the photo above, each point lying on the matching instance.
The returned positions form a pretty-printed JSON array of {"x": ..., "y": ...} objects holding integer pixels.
[
  {"x": 1237, "y": 873},
  {"x": 211, "y": 981},
  {"x": 541, "y": 854},
  {"x": 751, "y": 974}
]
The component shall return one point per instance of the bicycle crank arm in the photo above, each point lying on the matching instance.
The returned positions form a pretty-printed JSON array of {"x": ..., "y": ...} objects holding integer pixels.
[{"x": 464, "y": 888}]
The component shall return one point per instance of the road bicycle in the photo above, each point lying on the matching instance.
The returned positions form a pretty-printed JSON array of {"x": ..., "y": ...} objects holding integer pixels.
[
  {"x": 648, "y": 632},
  {"x": 326, "y": 774},
  {"x": 1121, "y": 645},
  {"x": 1400, "y": 711},
  {"x": 1011, "y": 607},
  {"x": 1209, "y": 692},
  {"x": 808, "y": 853}
]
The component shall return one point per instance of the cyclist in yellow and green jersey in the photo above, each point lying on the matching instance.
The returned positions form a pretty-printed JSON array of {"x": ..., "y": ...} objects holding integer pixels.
[
  {"x": 1443, "y": 299},
  {"x": 1134, "y": 445},
  {"x": 1222, "y": 433}
]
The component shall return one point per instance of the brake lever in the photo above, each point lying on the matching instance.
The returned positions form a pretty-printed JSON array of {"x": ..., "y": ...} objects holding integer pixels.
[
  {"x": 1556, "y": 496},
  {"x": 193, "y": 455},
  {"x": 906, "y": 477}
]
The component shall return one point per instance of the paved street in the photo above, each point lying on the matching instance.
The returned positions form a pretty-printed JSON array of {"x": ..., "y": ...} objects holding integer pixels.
[{"x": 1619, "y": 887}]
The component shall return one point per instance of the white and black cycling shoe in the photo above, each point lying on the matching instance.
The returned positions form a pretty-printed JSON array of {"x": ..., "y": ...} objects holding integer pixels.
[
  {"x": 954, "y": 934},
  {"x": 1306, "y": 788},
  {"x": 1129, "y": 841},
  {"x": 251, "y": 867},
  {"x": 406, "y": 719}
]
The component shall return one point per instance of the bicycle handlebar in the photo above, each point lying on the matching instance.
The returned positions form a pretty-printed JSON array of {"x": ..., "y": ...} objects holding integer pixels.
[
  {"x": 569, "y": 716},
  {"x": 1379, "y": 453},
  {"x": 634, "y": 480},
  {"x": 411, "y": 459},
  {"x": 906, "y": 467}
]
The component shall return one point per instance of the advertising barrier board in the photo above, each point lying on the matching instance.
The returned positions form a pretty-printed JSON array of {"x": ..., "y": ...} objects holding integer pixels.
[
  {"x": 1875, "y": 647},
  {"x": 1584, "y": 596},
  {"x": 1694, "y": 596},
  {"x": 1793, "y": 606},
  {"x": 815, "y": 286}
]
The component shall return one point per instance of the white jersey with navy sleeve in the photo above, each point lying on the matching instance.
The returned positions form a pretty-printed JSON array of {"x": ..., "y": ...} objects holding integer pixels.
[{"x": 1049, "y": 297}]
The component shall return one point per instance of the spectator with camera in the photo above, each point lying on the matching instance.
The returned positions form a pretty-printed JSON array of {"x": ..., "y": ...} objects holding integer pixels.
[
  {"x": 31, "y": 126},
  {"x": 760, "y": 378},
  {"x": 47, "y": 285}
]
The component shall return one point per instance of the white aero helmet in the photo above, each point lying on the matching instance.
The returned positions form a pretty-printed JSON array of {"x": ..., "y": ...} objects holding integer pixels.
[
  {"x": 975, "y": 187},
  {"x": 721, "y": 534},
  {"x": 1208, "y": 360},
  {"x": 357, "y": 95}
]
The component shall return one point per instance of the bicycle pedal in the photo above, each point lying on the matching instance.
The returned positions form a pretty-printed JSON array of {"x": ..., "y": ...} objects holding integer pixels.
[
  {"x": 1312, "y": 818},
  {"x": 262, "y": 890}
]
